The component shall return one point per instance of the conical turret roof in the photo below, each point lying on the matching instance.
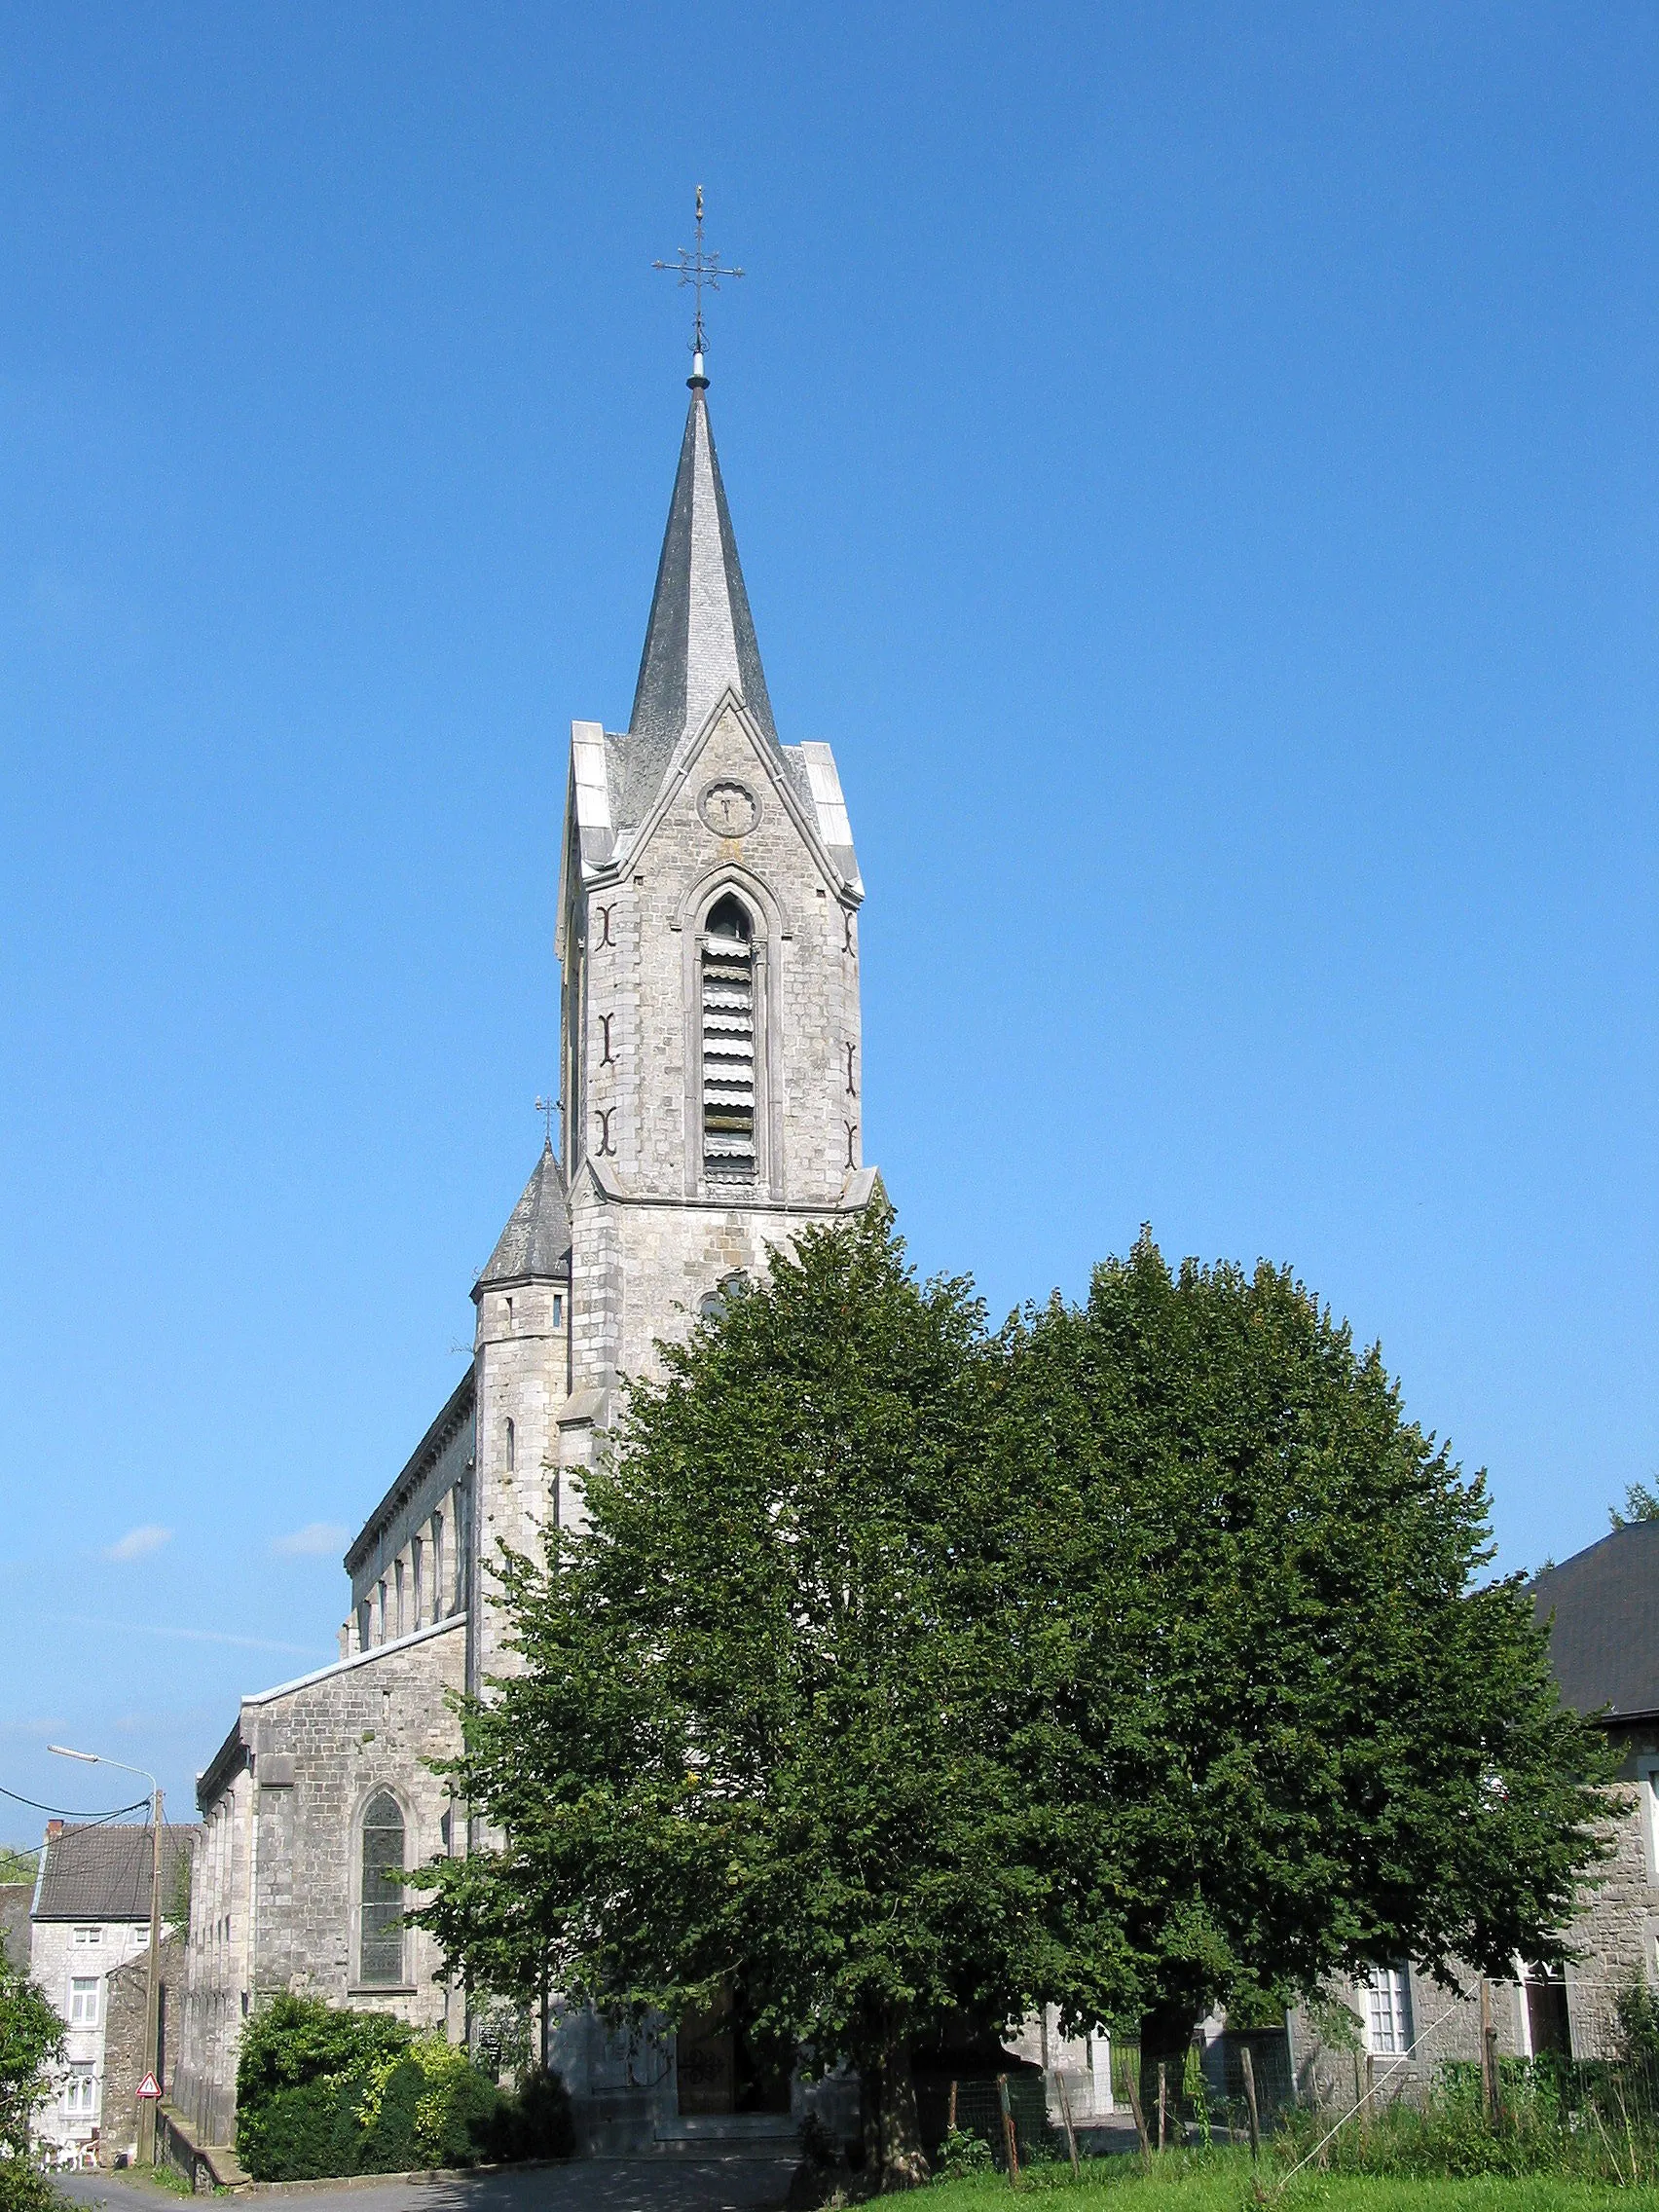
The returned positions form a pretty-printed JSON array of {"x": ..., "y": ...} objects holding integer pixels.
[
  {"x": 536, "y": 1244},
  {"x": 701, "y": 635}
]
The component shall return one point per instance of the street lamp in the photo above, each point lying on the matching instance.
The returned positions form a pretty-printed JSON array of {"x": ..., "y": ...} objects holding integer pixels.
[{"x": 152, "y": 1985}]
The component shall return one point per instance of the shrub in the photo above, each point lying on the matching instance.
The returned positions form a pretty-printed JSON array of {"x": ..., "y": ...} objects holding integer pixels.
[
  {"x": 323, "y": 2092},
  {"x": 23, "y": 2187},
  {"x": 308, "y": 2132},
  {"x": 31, "y": 2040},
  {"x": 536, "y": 2122},
  {"x": 962, "y": 2154}
]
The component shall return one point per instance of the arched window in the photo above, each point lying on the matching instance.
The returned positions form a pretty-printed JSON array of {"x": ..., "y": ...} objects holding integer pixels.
[
  {"x": 714, "y": 1303},
  {"x": 728, "y": 1042},
  {"x": 380, "y": 1928},
  {"x": 512, "y": 1447}
]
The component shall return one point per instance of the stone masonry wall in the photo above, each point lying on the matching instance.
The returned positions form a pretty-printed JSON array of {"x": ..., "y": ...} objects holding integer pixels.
[
  {"x": 275, "y": 1903},
  {"x": 219, "y": 1977},
  {"x": 123, "y": 2040},
  {"x": 642, "y": 1111},
  {"x": 321, "y": 1751},
  {"x": 523, "y": 1352},
  {"x": 1616, "y": 1934}
]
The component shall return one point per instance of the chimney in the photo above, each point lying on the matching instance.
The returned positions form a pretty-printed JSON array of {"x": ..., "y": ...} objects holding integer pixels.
[{"x": 54, "y": 1830}]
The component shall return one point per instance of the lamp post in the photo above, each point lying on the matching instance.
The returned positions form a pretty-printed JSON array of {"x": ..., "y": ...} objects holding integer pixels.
[{"x": 153, "y": 1984}]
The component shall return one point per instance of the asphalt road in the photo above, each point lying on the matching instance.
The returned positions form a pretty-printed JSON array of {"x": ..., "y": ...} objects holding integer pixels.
[{"x": 584, "y": 2185}]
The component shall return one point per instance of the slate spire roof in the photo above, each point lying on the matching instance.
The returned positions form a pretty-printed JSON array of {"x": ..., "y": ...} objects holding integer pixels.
[
  {"x": 536, "y": 1244},
  {"x": 701, "y": 634}
]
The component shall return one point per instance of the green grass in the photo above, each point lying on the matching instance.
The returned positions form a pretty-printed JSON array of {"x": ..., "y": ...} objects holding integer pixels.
[{"x": 1222, "y": 2180}]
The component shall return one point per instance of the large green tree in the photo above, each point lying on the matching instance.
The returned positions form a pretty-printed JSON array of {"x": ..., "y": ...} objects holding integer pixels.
[
  {"x": 1132, "y": 1661},
  {"x": 1280, "y": 1720},
  {"x": 746, "y": 1747}
]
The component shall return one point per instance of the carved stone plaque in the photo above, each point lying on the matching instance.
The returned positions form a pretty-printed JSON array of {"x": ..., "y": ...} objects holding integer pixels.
[{"x": 729, "y": 809}]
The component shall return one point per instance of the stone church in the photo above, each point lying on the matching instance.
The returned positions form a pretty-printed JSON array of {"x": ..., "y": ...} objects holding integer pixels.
[{"x": 710, "y": 1078}]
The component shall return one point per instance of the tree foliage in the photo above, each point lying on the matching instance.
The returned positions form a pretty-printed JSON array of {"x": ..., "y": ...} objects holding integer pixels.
[
  {"x": 1640, "y": 1504},
  {"x": 1280, "y": 1724},
  {"x": 31, "y": 2045},
  {"x": 747, "y": 1744},
  {"x": 1133, "y": 1660}
]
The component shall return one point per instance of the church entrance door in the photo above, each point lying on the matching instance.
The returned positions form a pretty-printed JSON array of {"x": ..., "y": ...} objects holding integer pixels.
[{"x": 722, "y": 2068}]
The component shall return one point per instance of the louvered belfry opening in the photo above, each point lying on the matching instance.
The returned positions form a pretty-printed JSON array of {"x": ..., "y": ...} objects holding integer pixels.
[{"x": 728, "y": 1043}]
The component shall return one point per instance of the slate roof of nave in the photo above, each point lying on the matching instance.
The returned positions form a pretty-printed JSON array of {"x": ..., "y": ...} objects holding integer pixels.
[
  {"x": 536, "y": 1244},
  {"x": 456, "y": 1408}
]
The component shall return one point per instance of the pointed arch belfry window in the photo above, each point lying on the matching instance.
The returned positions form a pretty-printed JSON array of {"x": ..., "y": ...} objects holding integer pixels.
[
  {"x": 379, "y": 1944},
  {"x": 728, "y": 1042}
]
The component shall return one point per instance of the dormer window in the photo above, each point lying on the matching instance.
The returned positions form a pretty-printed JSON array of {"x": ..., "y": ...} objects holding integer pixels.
[{"x": 728, "y": 1043}]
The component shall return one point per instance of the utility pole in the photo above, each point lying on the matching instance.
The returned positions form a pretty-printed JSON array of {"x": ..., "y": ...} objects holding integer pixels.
[{"x": 153, "y": 1975}]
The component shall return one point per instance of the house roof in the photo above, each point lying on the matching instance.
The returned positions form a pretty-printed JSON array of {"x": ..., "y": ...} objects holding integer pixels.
[
  {"x": 536, "y": 1244},
  {"x": 102, "y": 1872},
  {"x": 1605, "y": 1641}
]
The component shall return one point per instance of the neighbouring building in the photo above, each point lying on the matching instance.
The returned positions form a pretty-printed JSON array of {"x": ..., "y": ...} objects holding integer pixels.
[
  {"x": 88, "y": 1928},
  {"x": 1602, "y": 1608},
  {"x": 708, "y": 938}
]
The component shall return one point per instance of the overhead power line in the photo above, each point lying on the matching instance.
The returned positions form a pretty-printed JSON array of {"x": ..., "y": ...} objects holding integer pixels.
[{"x": 63, "y": 1813}]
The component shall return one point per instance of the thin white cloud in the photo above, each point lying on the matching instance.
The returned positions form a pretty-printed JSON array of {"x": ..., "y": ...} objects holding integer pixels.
[
  {"x": 187, "y": 1635},
  {"x": 316, "y": 1540},
  {"x": 139, "y": 1543}
]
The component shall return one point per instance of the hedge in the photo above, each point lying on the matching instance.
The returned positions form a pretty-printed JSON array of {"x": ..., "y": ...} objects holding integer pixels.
[{"x": 322, "y": 2092}]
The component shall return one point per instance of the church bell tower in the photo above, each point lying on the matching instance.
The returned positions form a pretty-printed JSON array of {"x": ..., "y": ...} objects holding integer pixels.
[{"x": 709, "y": 944}]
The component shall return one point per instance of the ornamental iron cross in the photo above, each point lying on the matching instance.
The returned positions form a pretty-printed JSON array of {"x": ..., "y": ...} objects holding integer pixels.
[{"x": 699, "y": 268}]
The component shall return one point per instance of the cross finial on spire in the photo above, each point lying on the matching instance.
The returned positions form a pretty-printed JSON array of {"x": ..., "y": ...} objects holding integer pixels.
[
  {"x": 547, "y": 1108},
  {"x": 698, "y": 269}
]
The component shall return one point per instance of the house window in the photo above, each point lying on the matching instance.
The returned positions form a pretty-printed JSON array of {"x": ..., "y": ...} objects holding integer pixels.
[
  {"x": 558, "y": 1309},
  {"x": 728, "y": 1043},
  {"x": 80, "y": 2092},
  {"x": 381, "y": 1942},
  {"x": 87, "y": 1938},
  {"x": 83, "y": 2002},
  {"x": 1389, "y": 2013}
]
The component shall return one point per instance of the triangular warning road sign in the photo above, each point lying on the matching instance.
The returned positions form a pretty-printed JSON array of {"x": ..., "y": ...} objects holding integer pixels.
[{"x": 149, "y": 2086}]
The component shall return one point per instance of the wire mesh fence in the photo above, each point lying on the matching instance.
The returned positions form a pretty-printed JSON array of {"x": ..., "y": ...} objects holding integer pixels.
[{"x": 1197, "y": 2098}]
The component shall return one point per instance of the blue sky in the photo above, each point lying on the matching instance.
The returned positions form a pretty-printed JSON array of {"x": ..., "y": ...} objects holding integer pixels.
[{"x": 1197, "y": 464}]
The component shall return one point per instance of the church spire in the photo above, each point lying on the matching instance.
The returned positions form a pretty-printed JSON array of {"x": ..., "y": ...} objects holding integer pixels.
[{"x": 701, "y": 634}]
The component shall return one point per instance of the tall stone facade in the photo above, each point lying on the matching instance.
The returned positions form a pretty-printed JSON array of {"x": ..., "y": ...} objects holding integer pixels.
[{"x": 708, "y": 941}]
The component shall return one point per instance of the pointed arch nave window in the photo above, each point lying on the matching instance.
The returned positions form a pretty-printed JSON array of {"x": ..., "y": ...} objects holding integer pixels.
[{"x": 728, "y": 1042}]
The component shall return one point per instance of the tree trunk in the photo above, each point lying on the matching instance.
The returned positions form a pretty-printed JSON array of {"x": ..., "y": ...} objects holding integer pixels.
[
  {"x": 893, "y": 2139},
  {"x": 1166, "y": 2031}
]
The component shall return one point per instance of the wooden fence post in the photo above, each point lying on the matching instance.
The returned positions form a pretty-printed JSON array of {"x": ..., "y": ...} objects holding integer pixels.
[
  {"x": 1489, "y": 2055},
  {"x": 950, "y": 2122},
  {"x": 1008, "y": 2131},
  {"x": 1133, "y": 2089},
  {"x": 1252, "y": 2110},
  {"x": 1162, "y": 2099},
  {"x": 1071, "y": 2132}
]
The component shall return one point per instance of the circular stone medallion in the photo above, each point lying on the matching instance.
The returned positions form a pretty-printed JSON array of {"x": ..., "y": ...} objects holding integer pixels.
[{"x": 729, "y": 809}]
